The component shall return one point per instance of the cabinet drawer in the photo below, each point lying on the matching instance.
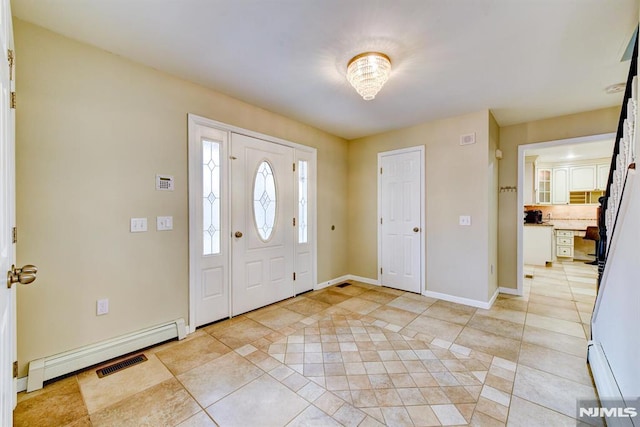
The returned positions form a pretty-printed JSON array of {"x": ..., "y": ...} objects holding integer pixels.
[
  {"x": 564, "y": 233},
  {"x": 567, "y": 241},
  {"x": 564, "y": 251}
]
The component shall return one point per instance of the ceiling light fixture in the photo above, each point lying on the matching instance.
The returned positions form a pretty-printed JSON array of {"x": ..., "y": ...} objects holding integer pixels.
[{"x": 368, "y": 72}]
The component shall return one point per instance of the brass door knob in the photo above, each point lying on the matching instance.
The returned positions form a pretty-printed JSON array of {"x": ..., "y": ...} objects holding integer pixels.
[
  {"x": 238, "y": 234},
  {"x": 24, "y": 275},
  {"x": 416, "y": 229}
]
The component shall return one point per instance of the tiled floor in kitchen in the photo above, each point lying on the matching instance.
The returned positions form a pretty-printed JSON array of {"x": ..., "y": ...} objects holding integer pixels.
[{"x": 356, "y": 356}]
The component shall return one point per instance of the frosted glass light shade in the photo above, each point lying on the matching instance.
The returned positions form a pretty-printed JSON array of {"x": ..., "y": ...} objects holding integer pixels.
[{"x": 368, "y": 72}]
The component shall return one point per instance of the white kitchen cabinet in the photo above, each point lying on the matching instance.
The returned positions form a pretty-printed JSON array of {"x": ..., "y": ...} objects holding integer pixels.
[
  {"x": 529, "y": 189},
  {"x": 560, "y": 180},
  {"x": 603, "y": 176},
  {"x": 564, "y": 243},
  {"x": 582, "y": 178},
  {"x": 543, "y": 186},
  {"x": 538, "y": 244}
]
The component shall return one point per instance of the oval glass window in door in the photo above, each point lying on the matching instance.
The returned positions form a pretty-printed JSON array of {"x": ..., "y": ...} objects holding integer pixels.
[{"x": 264, "y": 200}]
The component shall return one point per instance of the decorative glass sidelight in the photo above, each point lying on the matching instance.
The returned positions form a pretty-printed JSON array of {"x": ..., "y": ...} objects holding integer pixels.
[
  {"x": 264, "y": 200},
  {"x": 303, "y": 201},
  {"x": 210, "y": 197}
]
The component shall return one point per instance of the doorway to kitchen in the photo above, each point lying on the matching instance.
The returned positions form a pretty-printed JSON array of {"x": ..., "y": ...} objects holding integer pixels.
[{"x": 560, "y": 184}]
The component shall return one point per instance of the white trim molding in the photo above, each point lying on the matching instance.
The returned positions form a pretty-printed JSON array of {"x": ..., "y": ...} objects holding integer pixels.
[
  {"x": 460, "y": 300},
  {"x": 46, "y": 368},
  {"x": 509, "y": 291}
]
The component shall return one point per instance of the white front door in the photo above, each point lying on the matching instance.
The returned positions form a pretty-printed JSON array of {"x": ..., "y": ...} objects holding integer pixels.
[
  {"x": 7, "y": 221},
  {"x": 209, "y": 232},
  {"x": 401, "y": 183},
  {"x": 263, "y": 207}
]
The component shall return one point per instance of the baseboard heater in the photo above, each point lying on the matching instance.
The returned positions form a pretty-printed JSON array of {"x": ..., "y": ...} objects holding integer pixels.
[{"x": 41, "y": 370}]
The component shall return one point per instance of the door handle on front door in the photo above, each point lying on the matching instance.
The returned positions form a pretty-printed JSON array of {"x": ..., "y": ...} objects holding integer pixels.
[
  {"x": 24, "y": 275},
  {"x": 238, "y": 234},
  {"x": 416, "y": 229}
]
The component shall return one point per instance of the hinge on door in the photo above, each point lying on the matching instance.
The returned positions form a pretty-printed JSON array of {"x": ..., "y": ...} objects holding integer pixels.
[
  {"x": 294, "y": 276},
  {"x": 14, "y": 234},
  {"x": 15, "y": 369},
  {"x": 10, "y": 59},
  {"x": 294, "y": 222},
  {"x": 380, "y": 221},
  {"x": 294, "y": 167},
  {"x": 380, "y": 171},
  {"x": 380, "y": 270},
  {"x": 13, "y": 100}
]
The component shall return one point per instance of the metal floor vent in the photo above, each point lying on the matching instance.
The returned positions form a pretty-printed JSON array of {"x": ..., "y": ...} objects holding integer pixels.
[
  {"x": 127, "y": 363},
  {"x": 343, "y": 285}
]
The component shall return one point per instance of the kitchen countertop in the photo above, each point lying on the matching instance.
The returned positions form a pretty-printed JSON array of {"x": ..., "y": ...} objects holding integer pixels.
[{"x": 567, "y": 224}]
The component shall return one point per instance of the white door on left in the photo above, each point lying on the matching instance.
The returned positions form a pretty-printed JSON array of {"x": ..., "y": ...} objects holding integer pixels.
[{"x": 7, "y": 216}]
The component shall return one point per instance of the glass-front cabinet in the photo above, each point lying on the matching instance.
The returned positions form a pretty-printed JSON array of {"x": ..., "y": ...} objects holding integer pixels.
[{"x": 543, "y": 185}]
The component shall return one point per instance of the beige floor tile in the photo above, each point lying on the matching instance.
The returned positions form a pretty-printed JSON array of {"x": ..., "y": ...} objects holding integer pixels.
[
  {"x": 262, "y": 401},
  {"x": 98, "y": 393},
  {"x": 500, "y": 327},
  {"x": 423, "y": 416},
  {"x": 492, "y": 409},
  {"x": 412, "y": 304},
  {"x": 498, "y": 312},
  {"x": 328, "y": 296},
  {"x": 556, "y": 302},
  {"x": 313, "y": 417},
  {"x": 207, "y": 385},
  {"x": 436, "y": 327},
  {"x": 555, "y": 362},
  {"x": 396, "y": 416},
  {"x": 187, "y": 355},
  {"x": 394, "y": 315},
  {"x": 240, "y": 333},
  {"x": 449, "y": 314},
  {"x": 480, "y": 419},
  {"x": 329, "y": 402},
  {"x": 306, "y": 306},
  {"x": 570, "y": 314},
  {"x": 515, "y": 303},
  {"x": 378, "y": 296},
  {"x": 523, "y": 413},
  {"x": 555, "y": 325},
  {"x": 167, "y": 403},
  {"x": 555, "y": 340},
  {"x": 551, "y": 391},
  {"x": 349, "y": 416},
  {"x": 448, "y": 415},
  {"x": 489, "y": 343},
  {"x": 201, "y": 419},
  {"x": 279, "y": 318},
  {"x": 57, "y": 404}
]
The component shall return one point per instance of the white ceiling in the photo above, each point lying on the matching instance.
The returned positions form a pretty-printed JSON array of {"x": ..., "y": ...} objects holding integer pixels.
[
  {"x": 574, "y": 152},
  {"x": 522, "y": 59}
]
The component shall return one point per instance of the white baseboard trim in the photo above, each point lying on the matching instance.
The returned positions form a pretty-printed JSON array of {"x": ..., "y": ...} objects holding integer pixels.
[
  {"x": 460, "y": 300},
  {"x": 606, "y": 384},
  {"x": 366, "y": 280},
  {"x": 345, "y": 278},
  {"x": 41, "y": 370},
  {"x": 331, "y": 282},
  {"x": 509, "y": 291},
  {"x": 21, "y": 384}
]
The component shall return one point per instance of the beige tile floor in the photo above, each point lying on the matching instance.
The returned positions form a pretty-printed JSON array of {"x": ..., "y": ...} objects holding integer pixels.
[{"x": 355, "y": 356}]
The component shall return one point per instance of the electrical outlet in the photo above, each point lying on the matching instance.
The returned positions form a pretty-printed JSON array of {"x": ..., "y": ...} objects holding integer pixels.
[
  {"x": 465, "y": 220},
  {"x": 102, "y": 307}
]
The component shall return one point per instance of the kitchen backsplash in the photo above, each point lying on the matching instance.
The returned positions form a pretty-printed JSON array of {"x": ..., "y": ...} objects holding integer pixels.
[{"x": 566, "y": 211}]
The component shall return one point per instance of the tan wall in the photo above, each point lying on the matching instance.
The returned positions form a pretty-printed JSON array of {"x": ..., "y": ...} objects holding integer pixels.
[
  {"x": 570, "y": 126},
  {"x": 456, "y": 184},
  {"x": 93, "y": 130}
]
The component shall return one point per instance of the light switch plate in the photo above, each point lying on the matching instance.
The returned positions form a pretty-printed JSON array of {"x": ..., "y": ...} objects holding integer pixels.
[
  {"x": 164, "y": 223},
  {"x": 465, "y": 220},
  {"x": 138, "y": 225},
  {"x": 102, "y": 306}
]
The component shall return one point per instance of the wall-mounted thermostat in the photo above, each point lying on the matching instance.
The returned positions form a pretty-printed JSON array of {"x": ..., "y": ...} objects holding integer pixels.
[{"x": 164, "y": 182}]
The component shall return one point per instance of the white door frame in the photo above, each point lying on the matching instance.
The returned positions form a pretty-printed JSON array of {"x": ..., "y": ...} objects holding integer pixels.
[
  {"x": 311, "y": 154},
  {"x": 421, "y": 150},
  {"x": 519, "y": 220}
]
